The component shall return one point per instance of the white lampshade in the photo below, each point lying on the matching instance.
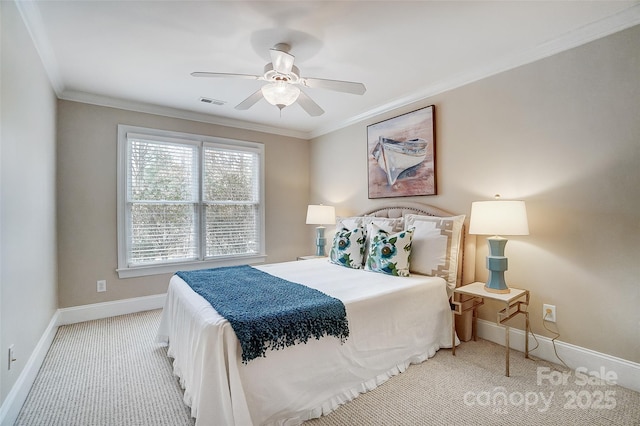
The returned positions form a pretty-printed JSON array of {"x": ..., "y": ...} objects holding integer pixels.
[
  {"x": 498, "y": 217},
  {"x": 280, "y": 93},
  {"x": 321, "y": 215}
]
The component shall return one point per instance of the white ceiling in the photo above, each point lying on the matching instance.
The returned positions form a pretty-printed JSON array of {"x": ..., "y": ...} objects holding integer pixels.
[{"x": 139, "y": 54}]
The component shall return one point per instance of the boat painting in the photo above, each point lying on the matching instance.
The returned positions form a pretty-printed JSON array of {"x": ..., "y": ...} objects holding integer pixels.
[
  {"x": 401, "y": 155},
  {"x": 394, "y": 157}
]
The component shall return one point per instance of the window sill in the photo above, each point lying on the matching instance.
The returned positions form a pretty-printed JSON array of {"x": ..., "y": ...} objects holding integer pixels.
[{"x": 142, "y": 271}]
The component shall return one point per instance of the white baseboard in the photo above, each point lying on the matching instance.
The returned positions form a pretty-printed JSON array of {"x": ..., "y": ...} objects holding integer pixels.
[
  {"x": 110, "y": 309},
  {"x": 12, "y": 404},
  {"x": 627, "y": 372},
  {"x": 20, "y": 390}
]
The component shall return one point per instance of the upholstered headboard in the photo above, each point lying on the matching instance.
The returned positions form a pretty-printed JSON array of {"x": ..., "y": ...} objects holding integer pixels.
[{"x": 466, "y": 265}]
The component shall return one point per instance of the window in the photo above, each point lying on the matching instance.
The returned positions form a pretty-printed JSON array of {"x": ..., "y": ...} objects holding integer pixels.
[{"x": 187, "y": 202}]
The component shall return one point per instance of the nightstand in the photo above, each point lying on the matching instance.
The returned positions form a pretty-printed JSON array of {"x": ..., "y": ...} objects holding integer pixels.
[
  {"x": 512, "y": 303},
  {"x": 313, "y": 256}
]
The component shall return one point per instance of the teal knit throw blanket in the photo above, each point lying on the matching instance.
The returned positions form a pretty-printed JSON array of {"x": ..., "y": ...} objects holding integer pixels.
[{"x": 268, "y": 312}]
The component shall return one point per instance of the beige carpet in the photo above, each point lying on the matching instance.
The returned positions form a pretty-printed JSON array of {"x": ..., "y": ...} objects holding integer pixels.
[
  {"x": 110, "y": 372},
  {"x": 471, "y": 389}
]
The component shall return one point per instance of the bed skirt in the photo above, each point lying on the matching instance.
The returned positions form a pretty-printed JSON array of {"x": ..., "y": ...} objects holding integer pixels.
[{"x": 389, "y": 330}]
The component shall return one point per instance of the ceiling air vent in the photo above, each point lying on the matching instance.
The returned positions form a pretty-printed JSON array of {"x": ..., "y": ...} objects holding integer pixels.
[{"x": 212, "y": 101}]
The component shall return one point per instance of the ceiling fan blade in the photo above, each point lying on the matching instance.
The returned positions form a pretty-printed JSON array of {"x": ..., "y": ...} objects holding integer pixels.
[
  {"x": 225, "y": 75},
  {"x": 335, "y": 85},
  {"x": 282, "y": 61},
  {"x": 308, "y": 104},
  {"x": 251, "y": 100}
]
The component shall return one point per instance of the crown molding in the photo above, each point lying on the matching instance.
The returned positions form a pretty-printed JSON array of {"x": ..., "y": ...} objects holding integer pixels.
[
  {"x": 32, "y": 19},
  {"x": 106, "y": 101},
  {"x": 622, "y": 20},
  {"x": 590, "y": 32}
]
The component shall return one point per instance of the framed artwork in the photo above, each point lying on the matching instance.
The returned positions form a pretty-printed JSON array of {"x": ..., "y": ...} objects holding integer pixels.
[{"x": 401, "y": 155}]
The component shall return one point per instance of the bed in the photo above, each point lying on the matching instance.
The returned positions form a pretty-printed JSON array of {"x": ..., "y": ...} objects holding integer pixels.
[{"x": 393, "y": 322}]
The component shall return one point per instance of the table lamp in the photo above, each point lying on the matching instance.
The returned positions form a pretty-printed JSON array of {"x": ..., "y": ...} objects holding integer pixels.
[
  {"x": 320, "y": 215},
  {"x": 498, "y": 217}
]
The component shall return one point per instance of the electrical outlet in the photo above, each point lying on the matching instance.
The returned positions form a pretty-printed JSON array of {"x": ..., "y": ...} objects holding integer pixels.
[
  {"x": 12, "y": 357},
  {"x": 549, "y": 313},
  {"x": 101, "y": 286}
]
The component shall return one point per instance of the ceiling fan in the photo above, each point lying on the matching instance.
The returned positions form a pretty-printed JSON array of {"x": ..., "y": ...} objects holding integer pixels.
[{"x": 283, "y": 83}]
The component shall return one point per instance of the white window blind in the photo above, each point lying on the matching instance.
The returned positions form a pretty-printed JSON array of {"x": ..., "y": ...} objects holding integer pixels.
[
  {"x": 187, "y": 202},
  {"x": 162, "y": 203},
  {"x": 231, "y": 201}
]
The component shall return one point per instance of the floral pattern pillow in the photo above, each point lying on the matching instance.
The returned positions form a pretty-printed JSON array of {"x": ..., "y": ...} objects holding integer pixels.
[
  {"x": 348, "y": 247},
  {"x": 388, "y": 224},
  {"x": 389, "y": 253}
]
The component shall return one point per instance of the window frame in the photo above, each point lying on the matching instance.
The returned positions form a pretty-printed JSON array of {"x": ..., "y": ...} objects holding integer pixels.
[{"x": 126, "y": 271}]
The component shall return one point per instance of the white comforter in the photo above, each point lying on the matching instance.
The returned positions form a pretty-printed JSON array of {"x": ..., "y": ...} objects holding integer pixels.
[{"x": 393, "y": 322}]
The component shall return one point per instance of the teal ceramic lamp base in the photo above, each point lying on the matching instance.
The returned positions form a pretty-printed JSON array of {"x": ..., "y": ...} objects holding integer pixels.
[
  {"x": 320, "y": 241},
  {"x": 496, "y": 264}
]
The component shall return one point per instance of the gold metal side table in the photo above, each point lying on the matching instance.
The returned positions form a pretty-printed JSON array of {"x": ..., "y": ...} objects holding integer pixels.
[{"x": 512, "y": 302}]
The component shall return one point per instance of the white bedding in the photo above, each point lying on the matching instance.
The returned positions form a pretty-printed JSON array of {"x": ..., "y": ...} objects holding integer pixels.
[{"x": 393, "y": 322}]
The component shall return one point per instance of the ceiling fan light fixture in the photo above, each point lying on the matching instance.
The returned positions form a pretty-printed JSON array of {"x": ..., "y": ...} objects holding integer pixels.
[
  {"x": 282, "y": 78},
  {"x": 280, "y": 93}
]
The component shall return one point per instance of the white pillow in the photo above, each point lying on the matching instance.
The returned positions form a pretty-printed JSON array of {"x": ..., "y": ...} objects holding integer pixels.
[
  {"x": 436, "y": 245},
  {"x": 348, "y": 222},
  {"x": 388, "y": 224}
]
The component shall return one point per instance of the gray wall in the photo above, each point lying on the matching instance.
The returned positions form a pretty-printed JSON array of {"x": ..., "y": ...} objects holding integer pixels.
[
  {"x": 28, "y": 297},
  {"x": 87, "y": 248},
  {"x": 563, "y": 134}
]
